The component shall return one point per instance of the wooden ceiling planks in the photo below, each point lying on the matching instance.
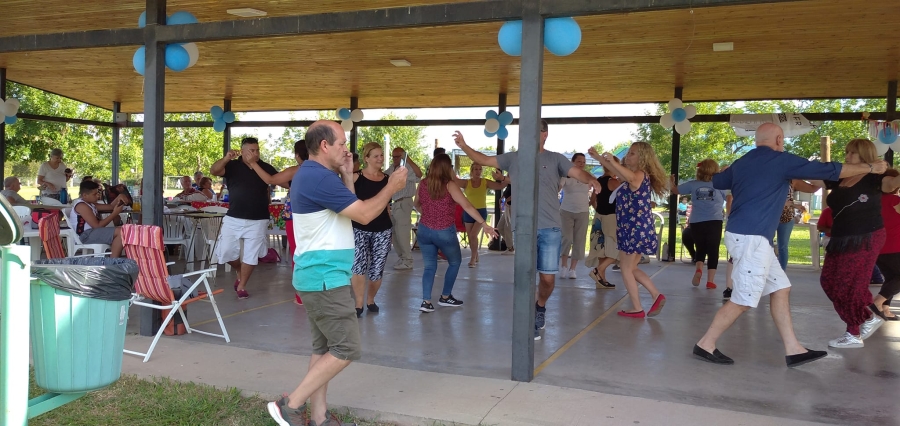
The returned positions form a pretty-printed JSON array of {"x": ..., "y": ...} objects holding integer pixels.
[{"x": 809, "y": 49}]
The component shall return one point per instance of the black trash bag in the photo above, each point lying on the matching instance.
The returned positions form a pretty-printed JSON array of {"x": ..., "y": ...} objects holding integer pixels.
[{"x": 101, "y": 278}]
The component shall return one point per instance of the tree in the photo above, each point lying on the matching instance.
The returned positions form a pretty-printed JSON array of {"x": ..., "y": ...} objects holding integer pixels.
[{"x": 407, "y": 137}]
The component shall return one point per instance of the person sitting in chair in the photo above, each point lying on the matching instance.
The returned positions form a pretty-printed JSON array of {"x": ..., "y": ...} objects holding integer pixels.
[{"x": 85, "y": 217}]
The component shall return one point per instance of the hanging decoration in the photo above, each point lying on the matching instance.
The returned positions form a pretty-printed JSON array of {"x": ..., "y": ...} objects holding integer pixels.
[
  {"x": 883, "y": 134},
  {"x": 349, "y": 117},
  {"x": 179, "y": 56},
  {"x": 562, "y": 36},
  {"x": 221, "y": 118},
  {"x": 495, "y": 124},
  {"x": 679, "y": 115},
  {"x": 8, "y": 110}
]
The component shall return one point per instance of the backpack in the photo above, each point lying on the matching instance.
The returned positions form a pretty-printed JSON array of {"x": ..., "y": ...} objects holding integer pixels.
[
  {"x": 497, "y": 244},
  {"x": 271, "y": 256}
]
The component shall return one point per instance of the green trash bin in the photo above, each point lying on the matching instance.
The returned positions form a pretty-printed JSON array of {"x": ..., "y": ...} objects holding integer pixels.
[{"x": 77, "y": 335}]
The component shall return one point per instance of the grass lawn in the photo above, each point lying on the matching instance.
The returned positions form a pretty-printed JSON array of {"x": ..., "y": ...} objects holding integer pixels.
[{"x": 163, "y": 402}]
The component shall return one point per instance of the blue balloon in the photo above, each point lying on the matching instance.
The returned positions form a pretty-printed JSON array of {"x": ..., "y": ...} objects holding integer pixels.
[
  {"x": 228, "y": 117},
  {"x": 678, "y": 114},
  {"x": 139, "y": 59},
  {"x": 142, "y": 20},
  {"x": 180, "y": 18},
  {"x": 502, "y": 133},
  {"x": 510, "y": 38},
  {"x": 344, "y": 114},
  {"x": 10, "y": 120},
  {"x": 489, "y": 134},
  {"x": 491, "y": 114},
  {"x": 177, "y": 58},
  {"x": 505, "y": 118},
  {"x": 562, "y": 36},
  {"x": 887, "y": 135},
  {"x": 216, "y": 112},
  {"x": 219, "y": 126}
]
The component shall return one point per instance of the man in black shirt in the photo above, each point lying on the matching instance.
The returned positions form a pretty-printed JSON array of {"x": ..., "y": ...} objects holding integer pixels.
[{"x": 248, "y": 215}]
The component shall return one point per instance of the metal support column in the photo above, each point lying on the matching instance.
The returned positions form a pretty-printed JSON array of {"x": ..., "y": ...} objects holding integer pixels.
[
  {"x": 3, "y": 126},
  {"x": 154, "y": 137},
  {"x": 226, "y": 135},
  {"x": 501, "y": 148},
  {"x": 526, "y": 188},
  {"x": 354, "y": 104},
  {"x": 891, "y": 115},
  {"x": 673, "y": 199},
  {"x": 116, "y": 161}
]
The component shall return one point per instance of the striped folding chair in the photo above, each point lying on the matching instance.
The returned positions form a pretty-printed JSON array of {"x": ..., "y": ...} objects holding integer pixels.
[
  {"x": 144, "y": 245},
  {"x": 49, "y": 232}
]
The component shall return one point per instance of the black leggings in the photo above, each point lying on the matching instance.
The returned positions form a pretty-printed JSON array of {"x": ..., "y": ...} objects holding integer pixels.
[
  {"x": 890, "y": 267},
  {"x": 707, "y": 236},
  {"x": 687, "y": 238}
]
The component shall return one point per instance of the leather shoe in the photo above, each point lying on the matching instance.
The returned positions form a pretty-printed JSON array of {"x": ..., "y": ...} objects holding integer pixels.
[
  {"x": 800, "y": 359},
  {"x": 716, "y": 357}
]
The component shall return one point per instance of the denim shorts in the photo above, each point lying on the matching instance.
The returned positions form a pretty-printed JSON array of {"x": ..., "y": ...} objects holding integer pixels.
[
  {"x": 469, "y": 219},
  {"x": 549, "y": 241}
]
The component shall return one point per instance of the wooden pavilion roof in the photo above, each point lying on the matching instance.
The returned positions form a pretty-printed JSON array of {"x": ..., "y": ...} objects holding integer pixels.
[{"x": 800, "y": 49}]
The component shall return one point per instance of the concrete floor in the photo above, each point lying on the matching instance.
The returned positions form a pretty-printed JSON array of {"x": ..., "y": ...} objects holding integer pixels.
[{"x": 586, "y": 346}]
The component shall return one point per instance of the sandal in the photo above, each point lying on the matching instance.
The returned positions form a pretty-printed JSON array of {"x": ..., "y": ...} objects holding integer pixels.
[{"x": 885, "y": 309}]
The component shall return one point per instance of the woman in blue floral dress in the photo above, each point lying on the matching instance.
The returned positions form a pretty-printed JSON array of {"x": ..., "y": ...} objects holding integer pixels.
[{"x": 641, "y": 175}]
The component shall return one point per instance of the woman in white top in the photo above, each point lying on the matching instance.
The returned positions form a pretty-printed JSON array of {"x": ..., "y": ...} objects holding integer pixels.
[
  {"x": 52, "y": 175},
  {"x": 573, "y": 213},
  {"x": 85, "y": 218}
]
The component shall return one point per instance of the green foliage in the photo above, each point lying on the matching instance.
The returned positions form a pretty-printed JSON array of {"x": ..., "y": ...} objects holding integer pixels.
[
  {"x": 407, "y": 137},
  {"x": 718, "y": 141}
]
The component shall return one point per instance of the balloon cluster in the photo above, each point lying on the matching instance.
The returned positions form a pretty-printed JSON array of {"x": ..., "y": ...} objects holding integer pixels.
[
  {"x": 179, "y": 56},
  {"x": 9, "y": 109},
  {"x": 889, "y": 132},
  {"x": 349, "y": 117},
  {"x": 562, "y": 36},
  {"x": 220, "y": 118},
  {"x": 678, "y": 116},
  {"x": 495, "y": 125}
]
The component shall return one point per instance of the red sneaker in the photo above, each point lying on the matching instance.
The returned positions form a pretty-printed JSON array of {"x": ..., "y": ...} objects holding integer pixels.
[
  {"x": 242, "y": 294},
  {"x": 297, "y": 299},
  {"x": 710, "y": 285}
]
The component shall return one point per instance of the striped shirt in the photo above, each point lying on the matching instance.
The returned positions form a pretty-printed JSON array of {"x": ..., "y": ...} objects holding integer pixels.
[
  {"x": 325, "y": 245},
  {"x": 409, "y": 190}
]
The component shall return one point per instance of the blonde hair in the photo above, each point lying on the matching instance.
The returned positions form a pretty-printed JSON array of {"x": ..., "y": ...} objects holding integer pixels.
[
  {"x": 706, "y": 169},
  {"x": 865, "y": 148},
  {"x": 649, "y": 164},
  {"x": 367, "y": 149}
]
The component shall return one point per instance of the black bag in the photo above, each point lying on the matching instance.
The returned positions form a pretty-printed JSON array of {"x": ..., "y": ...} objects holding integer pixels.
[
  {"x": 101, "y": 278},
  {"x": 497, "y": 244}
]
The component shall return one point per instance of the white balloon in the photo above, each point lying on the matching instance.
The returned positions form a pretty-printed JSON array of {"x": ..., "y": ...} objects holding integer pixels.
[
  {"x": 193, "y": 53},
  {"x": 691, "y": 111},
  {"x": 880, "y": 147},
  {"x": 666, "y": 121},
  {"x": 492, "y": 125},
  {"x": 9, "y": 109},
  {"x": 682, "y": 127},
  {"x": 356, "y": 115},
  {"x": 675, "y": 103},
  {"x": 347, "y": 125}
]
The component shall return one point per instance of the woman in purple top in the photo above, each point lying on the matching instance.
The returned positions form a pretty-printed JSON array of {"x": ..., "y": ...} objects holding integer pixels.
[{"x": 641, "y": 175}]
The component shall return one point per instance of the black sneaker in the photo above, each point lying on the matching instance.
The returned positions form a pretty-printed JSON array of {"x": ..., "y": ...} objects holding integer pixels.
[
  {"x": 726, "y": 294},
  {"x": 372, "y": 308},
  {"x": 426, "y": 307},
  {"x": 449, "y": 301},
  {"x": 616, "y": 268},
  {"x": 286, "y": 416}
]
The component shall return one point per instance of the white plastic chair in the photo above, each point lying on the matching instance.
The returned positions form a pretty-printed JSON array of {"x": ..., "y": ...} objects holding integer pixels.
[
  {"x": 211, "y": 245},
  {"x": 78, "y": 245},
  {"x": 176, "y": 232}
]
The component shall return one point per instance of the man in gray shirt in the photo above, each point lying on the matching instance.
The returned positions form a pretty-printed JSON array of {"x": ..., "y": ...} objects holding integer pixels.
[
  {"x": 553, "y": 166},
  {"x": 11, "y": 187}
]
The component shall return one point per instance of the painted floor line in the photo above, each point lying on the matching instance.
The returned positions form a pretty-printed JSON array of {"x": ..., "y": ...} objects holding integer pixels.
[{"x": 195, "y": 325}]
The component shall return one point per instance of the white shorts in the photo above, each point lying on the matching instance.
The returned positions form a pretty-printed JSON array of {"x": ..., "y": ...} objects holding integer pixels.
[
  {"x": 756, "y": 271},
  {"x": 234, "y": 230}
]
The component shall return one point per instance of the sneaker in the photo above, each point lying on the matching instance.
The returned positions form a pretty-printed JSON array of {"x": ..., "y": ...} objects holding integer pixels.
[
  {"x": 726, "y": 294},
  {"x": 402, "y": 267},
  {"x": 242, "y": 294},
  {"x": 449, "y": 301},
  {"x": 331, "y": 420},
  {"x": 572, "y": 274},
  {"x": 537, "y": 334},
  {"x": 869, "y": 327},
  {"x": 846, "y": 341},
  {"x": 426, "y": 307},
  {"x": 563, "y": 272},
  {"x": 286, "y": 416},
  {"x": 372, "y": 308},
  {"x": 710, "y": 285},
  {"x": 616, "y": 268},
  {"x": 644, "y": 260},
  {"x": 539, "y": 318}
]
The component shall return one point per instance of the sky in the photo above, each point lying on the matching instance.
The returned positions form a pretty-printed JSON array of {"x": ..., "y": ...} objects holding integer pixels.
[{"x": 562, "y": 138}]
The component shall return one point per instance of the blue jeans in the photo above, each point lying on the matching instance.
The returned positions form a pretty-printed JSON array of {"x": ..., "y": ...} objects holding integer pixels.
[
  {"x": 783, "y": 239},
  {"x": 430, "y": 241}
]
